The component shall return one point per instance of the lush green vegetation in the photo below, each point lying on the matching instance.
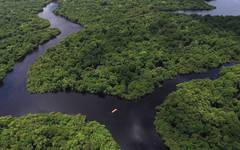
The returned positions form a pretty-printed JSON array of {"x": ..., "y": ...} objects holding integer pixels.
[
  {"x": 54, "y": 131},
  {"x": 127, "y": 48},
  {"x": 95, "y": 11},
  {"x": 229, "y": 23},
  {"x": 20, "y": 30},
  {"x": 203, "y": 114}
]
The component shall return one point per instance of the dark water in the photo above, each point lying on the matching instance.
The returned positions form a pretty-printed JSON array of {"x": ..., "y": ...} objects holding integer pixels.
[
  {"x": 132, "y": 126},
  {"x": 223, "y": 8}
]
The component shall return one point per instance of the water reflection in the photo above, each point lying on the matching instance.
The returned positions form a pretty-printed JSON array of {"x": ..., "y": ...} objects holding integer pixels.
[
  {"x": 132, "y": 126},
  {"x": 223, "y": 8}
]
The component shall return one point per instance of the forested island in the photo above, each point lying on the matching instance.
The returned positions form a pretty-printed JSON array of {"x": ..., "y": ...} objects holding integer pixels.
[
  {"x": 54, "y": 131},
  {"x": 203, "y": 114},
  {"x": 127, "y": 48}
]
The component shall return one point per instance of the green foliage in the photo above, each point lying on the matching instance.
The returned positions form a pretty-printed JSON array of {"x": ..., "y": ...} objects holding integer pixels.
[
  {"x": 54, "y": 131},
  {"x": 180, "y": 5},
  {"x": 109, "y": 11},
  {"x": 127, "y": 48},
  {"x": 20, "y": 30},
  {"x": 203, "y": 114}
]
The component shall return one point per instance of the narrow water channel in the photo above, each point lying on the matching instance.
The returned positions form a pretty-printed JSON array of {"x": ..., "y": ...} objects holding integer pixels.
[{"x": 132, "y": 126}]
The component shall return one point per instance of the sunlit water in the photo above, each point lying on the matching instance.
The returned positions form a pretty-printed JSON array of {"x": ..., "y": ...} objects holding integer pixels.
[
  {"x": 223, "y": 8},
  {"x": 131, "y": 126}
]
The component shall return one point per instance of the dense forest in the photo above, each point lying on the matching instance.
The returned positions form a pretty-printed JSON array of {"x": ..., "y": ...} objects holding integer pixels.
[
  {"x": 91, "y": 12},
  {"x": 129, "y": 47},
  {"x": 20, "y": 30},
  {"x": 54, "y": 131},
  {"x": 203, "y": 114}
]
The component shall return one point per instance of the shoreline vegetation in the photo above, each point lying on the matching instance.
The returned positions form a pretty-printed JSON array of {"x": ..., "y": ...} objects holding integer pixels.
[
  {"x": 202, "y": 114},
  {"x": 54, "y": 131},
  {"x": 21, "y": 31},
  {"x": 127, "y": 48}
]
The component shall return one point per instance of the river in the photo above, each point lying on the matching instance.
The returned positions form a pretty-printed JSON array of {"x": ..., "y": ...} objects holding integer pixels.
[
  {"x": 223, "y": 8},
  {"x": 131, "y": 126}
]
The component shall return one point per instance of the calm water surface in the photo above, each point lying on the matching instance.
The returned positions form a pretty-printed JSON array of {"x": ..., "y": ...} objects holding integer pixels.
[
  {"x": 132, "y": 126},
  {"x": 223, "y": 8}
]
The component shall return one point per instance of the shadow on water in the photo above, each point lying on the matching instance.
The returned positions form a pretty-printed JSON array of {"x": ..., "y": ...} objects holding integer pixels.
[{"x": 131, "y": 126}]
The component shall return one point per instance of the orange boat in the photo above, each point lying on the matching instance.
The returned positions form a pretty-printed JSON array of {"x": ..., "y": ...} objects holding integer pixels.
[{"x": 114, "y": 110}]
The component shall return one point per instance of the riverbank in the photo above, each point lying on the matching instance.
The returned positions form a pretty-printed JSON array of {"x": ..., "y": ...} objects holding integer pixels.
[{"x": 131, "y": 126}]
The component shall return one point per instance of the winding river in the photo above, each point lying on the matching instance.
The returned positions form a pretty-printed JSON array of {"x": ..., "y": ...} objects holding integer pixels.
[{"x": 132, "y": 126}]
